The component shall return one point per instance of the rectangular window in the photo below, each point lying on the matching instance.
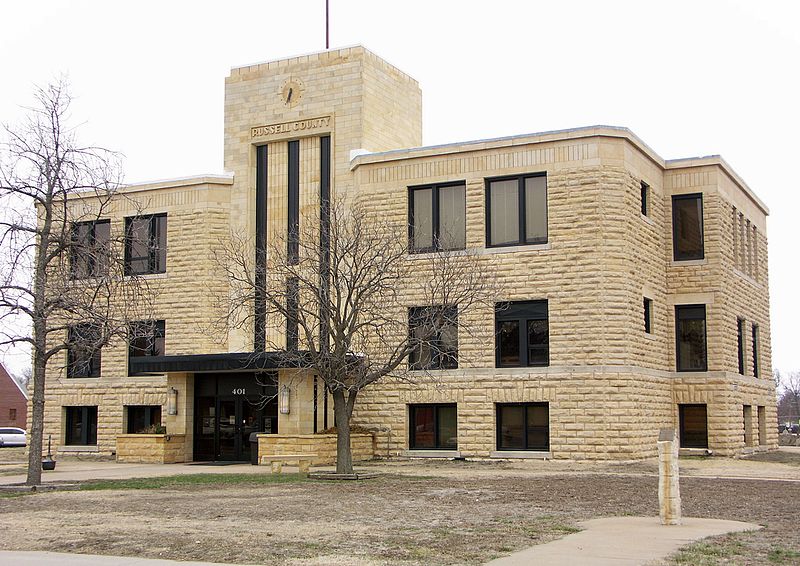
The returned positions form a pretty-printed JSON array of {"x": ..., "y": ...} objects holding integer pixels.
[
  {"x": 687, "y": 227},
  {"x": 12, "y": 415},
  {"x": 80, "y": 426},
  {"x": 293, "y": 210},
  {"x": 755, "y": 350},
  {"x": 747, "y": 419},
  {"x": 523, "y": 426},
  {"x": 762, "y": 425},
  {"x": 292, "y": 312},
  {"x": 83, "y": 352},
  {"x": 740, "y": 343},
  {"x": 147, "y": 338},
  {"x": 433, "y": 427},
  {"x": 146, "y": 244},
  {"x": 143, "y": 418},
  {"x": 89, "y": 248},
  {"x": 433, "y": 332},
  {"x": 690, "y": 337},
  {"x": 693, "y": 426},
  {"x": 645, "y": 198},
  {"x": 522, "y": 334},
  {"x": 516, "y": 210},
  {"x": 437, "y": 217},
  {"x": 648, "y": 315}
]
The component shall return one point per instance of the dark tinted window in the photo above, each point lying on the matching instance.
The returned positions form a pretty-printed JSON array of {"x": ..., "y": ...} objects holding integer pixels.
[
  {"x": 81, "y": 426},
  {"x": 433, "y": 332},
  {"x": 89, "y": 248},
  {"x": 433, "y": 427},
  {"x": 437, "y": 217},
  {"x": 143, "y": 417},
  {"x": 83, "y": 353},
  {"x": 645, "y": 198},
  {"x": 690, "y": 337},
  {"x": 755, "y": 349},
  {"x": 517, "y": 210},
  {"x": 523, "y": 426},
  {"x": 522, "y": 334},
  {"x": 740, "y": 343},
  {"x": 146, "y": 244},
  {"x": 147, "y": 338},
  {"x": 648, "y": 315},
  {"x": 693, "y": 426},
  {"x": 687, "y": 227}
]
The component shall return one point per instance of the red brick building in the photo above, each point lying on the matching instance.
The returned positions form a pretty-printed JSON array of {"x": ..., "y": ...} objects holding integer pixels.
[{"x": 13, "y": 401}]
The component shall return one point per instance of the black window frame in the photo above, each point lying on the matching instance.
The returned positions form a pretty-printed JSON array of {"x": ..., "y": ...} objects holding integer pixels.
[
  {"x": 155, "y": 262},
  {"x": 292, "y": 313},
  {"x": 499, "y": 427},
  {"x": 755, "y": 339},
  {"x": 648, "y": 315},
  {"x": 521, "y": 208},
  {"x": 412, "y": 407},
  {"x": 151, "y": 415},
  {"x": 645, "y": 198},
  {"x": 687, "y": 308},
  {"x": 436, "y": 242},
  {"x": 440, "y": 360},
  {"x": 85, "y": 266},
  {"x": 675, "y": 254},
  {"x": 83, "y": 358},
  {"x": 158, "y": 331},
  {"x": 521, "y": 312},
  {"x": 88, "y": 434},
  {"x": 683, "y": 441},
  {"x": 740, "y": 322}
]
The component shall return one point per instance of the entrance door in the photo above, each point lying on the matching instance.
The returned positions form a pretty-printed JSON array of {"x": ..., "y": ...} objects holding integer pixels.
[{"x": 237, "y": 420}]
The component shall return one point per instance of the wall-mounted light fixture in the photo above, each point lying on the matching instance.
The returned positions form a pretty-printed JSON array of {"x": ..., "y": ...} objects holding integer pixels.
[
  {"x": 172, "y": 401},
  {"x": 284, "y": 402}
]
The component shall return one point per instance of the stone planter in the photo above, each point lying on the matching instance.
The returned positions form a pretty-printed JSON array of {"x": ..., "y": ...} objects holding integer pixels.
[
  {"x": 323, "y": 445},
  {"x": 151, "y": 448}
]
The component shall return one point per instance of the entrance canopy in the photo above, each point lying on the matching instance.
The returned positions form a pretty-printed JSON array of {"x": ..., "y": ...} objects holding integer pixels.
[{"x": 204, "y": 363}]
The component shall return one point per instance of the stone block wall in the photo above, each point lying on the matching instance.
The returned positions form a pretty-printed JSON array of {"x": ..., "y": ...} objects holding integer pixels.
[
  {"x": 151, "y": 448},
  {"x": 323, "y": 445}
]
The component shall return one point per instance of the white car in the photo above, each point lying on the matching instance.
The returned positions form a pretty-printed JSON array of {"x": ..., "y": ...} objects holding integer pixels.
[{"x": 12, "y": 437}]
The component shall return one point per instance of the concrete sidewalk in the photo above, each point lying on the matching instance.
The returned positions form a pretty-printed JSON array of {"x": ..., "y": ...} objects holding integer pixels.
[
  {"x": 62, "y": 559},
  {"x": 621, "y": 541}
]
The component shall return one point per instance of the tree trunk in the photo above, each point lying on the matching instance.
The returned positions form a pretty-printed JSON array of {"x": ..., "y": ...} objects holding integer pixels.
[
  {"x": 36, "y": 420},
  {"x": 343, "y": 409}
]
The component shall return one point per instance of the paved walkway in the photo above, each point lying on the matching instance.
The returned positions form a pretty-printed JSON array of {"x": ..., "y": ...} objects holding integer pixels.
[
  {"x": 621, "y": 541},
  {"x": 62, "y": 559}
]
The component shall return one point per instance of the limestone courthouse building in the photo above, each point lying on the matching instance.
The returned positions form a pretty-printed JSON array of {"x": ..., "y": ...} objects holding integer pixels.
[{"x": 635, "y": 288}]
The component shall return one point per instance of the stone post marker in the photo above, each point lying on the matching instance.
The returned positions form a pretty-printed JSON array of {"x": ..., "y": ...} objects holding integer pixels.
[{"x": 669, "y": 494}]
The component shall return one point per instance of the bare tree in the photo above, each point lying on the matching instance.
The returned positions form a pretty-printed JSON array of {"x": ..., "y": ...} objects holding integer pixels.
[
  {"x": 789, "y": 396},
  {"x": 349, "y": 304},
  {"x": 63, "y": 286}
]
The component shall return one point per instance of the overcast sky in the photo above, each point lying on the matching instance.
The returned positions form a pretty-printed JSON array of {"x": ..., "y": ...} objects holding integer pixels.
[{"x": 690, "y": 78}]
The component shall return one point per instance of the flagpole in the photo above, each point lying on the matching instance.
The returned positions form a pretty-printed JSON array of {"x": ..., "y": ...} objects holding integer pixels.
[{"x": 327, "y": 32}]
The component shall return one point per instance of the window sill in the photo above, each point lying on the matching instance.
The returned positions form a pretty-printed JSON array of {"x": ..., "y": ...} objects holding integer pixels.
[
  {"x": 432, "y": 453},
  {"x": 78, "y": 448},
  {"x": 688, "y": 262},
  {"x": 521, "y": 454},
  {"x": 516, "y": 248},
  {"x": 650, "y": 336},
  {"x": 146, "y": 275},
  {"x": 647, "y": 219}
]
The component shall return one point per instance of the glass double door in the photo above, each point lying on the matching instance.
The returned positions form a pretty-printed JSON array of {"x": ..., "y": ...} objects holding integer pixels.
[{"x": 237, "y": 420}]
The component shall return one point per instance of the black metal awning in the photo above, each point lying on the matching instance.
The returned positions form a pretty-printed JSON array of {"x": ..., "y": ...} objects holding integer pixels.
[{"x": 200, "y": 363}]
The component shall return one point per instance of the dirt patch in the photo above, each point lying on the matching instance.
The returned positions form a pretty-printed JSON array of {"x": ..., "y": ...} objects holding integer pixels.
[{"x": 389, "y": 520}]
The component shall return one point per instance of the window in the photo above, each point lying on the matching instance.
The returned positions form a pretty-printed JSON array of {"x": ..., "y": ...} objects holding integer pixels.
[
  {"x": 292, "y": 311},
  {"x": 146, "y": 244},
  {"x": 83, "y": 354},
  {"x": 755, "y": 350},
  {"x": 143, "y": 417},
  {"x": 740, "y": 343},
  {"x": 81, "y": 426},
  {"x": 690, "y": 337},
  {"x": 687, "y": 227},
  {"x": 762, "y": 425},
  {"x": 293, "y": 201},
  {"x": 747, "y": 419},
  {"x": 522, "y": 335},
  {"x": 89, "y": 248},
  {"x": 433, "y": 331},
  {"x": 437, "y": 217},
  {"x": 693, "y": 426},
  {"x": 645, "y": 202},
  {"x": 146, "y": 338},
  {"x": 433, "y": 427},
  {"x": 648, "y": 315},
  {"x": 12, "y": 414},
  {"x": 516, "y": 210},
  {"x": 523, "y": 426}
]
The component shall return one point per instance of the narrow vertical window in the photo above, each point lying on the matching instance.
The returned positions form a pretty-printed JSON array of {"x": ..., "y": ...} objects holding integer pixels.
[
  {"x": 755, "y": 350},
  {"x": 645, "y": 198},
  {"x": 735, "y": 221},
  {"x": 293, "y": 218},
  {"x": 292, "y": 308},
  {"x": 89, "y": 248},
  {"x": 690, "y": 337},
  {"x": 740, "y": 343},
  {"x": 687, "y": 227},
  {"x": 259, "y": 298},
  {"x": 755, "y": 253},
  {"x": 648, "y": 315},
  {"x": 146, "y": 244},
  {"x": 83, "y": 353}
]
